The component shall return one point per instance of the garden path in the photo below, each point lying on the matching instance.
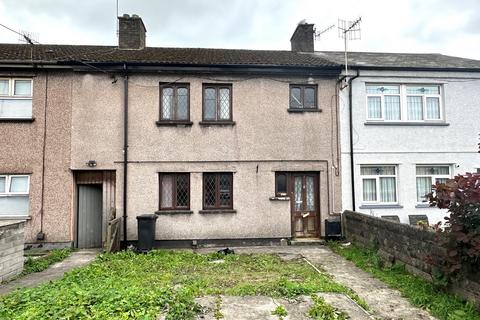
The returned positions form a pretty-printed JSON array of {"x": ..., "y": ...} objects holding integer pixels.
[{"x": 55, "y": 271}]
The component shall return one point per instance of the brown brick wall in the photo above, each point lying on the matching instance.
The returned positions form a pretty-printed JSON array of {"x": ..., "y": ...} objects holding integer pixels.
[{"x": 403, "y": 243}]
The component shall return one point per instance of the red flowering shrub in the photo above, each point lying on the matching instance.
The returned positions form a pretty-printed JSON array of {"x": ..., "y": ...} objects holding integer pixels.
[{"x": 461, "y": 235}]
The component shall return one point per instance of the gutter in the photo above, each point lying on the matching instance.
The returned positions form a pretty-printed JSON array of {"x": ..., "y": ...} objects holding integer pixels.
[
  {"x": 125, "y": 151},
  {"x": 350, "y": 118}
]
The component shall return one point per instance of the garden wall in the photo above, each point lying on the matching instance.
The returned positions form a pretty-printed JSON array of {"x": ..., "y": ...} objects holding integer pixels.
[
  {"x": 406, "y": 244},
  {"x": 11, "y": 249}
]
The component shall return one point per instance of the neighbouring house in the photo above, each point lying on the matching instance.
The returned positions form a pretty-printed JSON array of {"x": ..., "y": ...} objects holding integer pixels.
[
  {"x": 223, "y": 145},
  {"x": 407, "y": 122}
]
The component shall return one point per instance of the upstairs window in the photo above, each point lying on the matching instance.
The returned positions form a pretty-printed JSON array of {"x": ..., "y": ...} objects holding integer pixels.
[
  {"x": 14, "y": 190},
  {"x": 217, "y": 102},
  {"x": 175, "y": 102},
  {"x": 379, "y": 184},
  {"x": 428, "y": 175},
  {"x": 303, "y": 97},
  {"x": 15, "y": 98},
  {"x": 409, "y": 103}
]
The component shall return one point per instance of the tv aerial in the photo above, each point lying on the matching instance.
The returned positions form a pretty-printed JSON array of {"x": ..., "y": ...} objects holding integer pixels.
[{"x": 349, "y": 30}]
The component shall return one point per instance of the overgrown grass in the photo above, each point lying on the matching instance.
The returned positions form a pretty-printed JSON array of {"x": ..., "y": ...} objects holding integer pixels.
[
  {"x": 36, "y": 265},
  {"x": 420, "y": 292},
  {"x": 126, "y": 285}
]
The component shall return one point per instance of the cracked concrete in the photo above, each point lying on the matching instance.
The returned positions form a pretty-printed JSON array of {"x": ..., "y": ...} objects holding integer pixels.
[{"x": 55, "y": 271}]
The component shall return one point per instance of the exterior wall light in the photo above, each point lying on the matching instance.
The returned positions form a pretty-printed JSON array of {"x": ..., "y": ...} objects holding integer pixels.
[{"x": 91, "y": 163}]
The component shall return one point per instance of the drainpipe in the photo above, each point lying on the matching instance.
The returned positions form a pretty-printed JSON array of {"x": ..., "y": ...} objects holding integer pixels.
[
  {"x": 41, "y": 234},
  {"x": 350, "y": 110},
  {"x": 125, "y": 151}
]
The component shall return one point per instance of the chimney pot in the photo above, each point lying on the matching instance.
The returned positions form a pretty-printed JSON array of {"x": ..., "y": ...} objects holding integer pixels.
[
  {"x": 302, "y": 39},
  {"x": 131, "y": 32}
]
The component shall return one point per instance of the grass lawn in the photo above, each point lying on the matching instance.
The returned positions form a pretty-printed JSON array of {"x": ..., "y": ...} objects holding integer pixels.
[
  {"x": 32, "y": 265},
  {"x": 421, "y": 293},
  {"x": 126, "y": 285}
]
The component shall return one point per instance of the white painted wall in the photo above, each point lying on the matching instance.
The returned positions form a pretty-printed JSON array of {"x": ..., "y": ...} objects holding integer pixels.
[{"x": 406, "y": 146}]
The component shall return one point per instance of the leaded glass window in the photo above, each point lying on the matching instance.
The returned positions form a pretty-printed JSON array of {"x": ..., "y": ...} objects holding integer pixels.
[
  {"x": 218, "y": 190},
  {"x": 174, "y": 191},
  {"x": 174, "y": 102},
  {"x": 217, "y": 102}
]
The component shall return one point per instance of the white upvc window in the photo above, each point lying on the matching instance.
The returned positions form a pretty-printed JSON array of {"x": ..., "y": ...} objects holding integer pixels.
[
  {"x": 379, "y": 184},
  {"x": 14, "y": 191},
  {"x": 15, "y": 98},
  {"x": 427, "y": 176},
  {"x": 404, "y": 102}
]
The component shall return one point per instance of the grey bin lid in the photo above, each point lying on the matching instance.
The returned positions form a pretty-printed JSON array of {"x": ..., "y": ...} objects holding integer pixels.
[{"x": 147, "y": 217}]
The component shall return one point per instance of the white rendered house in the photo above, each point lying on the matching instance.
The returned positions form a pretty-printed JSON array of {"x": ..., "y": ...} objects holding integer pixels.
[{"x": 415, "y": 120}]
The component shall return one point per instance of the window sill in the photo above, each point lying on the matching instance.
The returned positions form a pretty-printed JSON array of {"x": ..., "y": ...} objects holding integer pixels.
[
  {"x": 216, "y": 123},
  {"x": 219, "y": 211},
  {"x": 279, "y": 198},
  {"x": 17, "y": 119},
  {"x": 170, "y": 212},
  {"x": 173, "y": 123},
  {"x": 422, "y": 205},
  {"x": 380, "y": 206},
  {"x": 298, "y": 110},
  {"x": 406, "y": 123},
  {"x": 15, "y": 217}
]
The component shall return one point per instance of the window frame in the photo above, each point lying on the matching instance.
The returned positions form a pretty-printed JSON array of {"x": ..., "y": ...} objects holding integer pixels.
[
  {"x": 12, "y": 96},
  {"x": 403, "y": 102},
  {"x": 302, "y": 88},
  {"x": 432, "y": 176},
  {"x": 217, "y": 87},
  {"x": 277, "y": 193},
  {"x": 174, "y": 86},
  {"x": 8, "y": 193},
  {"x": 217, "y": 191},
  {"x": 377, "y": 184},
  {"x": 174, "y": 191}
]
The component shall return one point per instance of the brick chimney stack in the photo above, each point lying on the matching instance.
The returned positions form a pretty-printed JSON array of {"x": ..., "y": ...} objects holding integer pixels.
[
  {"x": 302, "y": 39},
  {"x": 131, "y": 32}
]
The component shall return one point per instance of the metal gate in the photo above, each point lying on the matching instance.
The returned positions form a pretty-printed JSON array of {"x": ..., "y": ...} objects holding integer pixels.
[{"x": 89, "y": 219}]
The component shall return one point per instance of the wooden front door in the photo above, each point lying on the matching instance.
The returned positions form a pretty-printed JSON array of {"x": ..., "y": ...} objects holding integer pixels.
[{"x": 304, "y": 203}]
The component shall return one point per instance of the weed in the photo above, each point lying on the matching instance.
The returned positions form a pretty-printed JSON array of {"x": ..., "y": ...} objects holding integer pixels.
[
  {"x": 420, "y": 292},
  {"x": 42, "y": 263},
  {"x": 323, "y": 311},
  {"x": 126, "y": 285},
  {"x": 280, "y": 312}
]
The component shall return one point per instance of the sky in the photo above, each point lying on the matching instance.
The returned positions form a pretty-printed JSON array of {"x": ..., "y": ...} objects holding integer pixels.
[{"x": 421, "y": 26}]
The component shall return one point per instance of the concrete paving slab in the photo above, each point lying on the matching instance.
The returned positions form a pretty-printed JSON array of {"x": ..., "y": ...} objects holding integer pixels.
[
  {"x": 261, "y": 307},
  {"x": 55, "y": 271},
  {"x": 385, "y": 302}
]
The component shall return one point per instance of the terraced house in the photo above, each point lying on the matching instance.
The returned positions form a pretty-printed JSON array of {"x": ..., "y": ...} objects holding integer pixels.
[
  {"x": 408, "y": 122},
  {"x": 232, "y": 145}
]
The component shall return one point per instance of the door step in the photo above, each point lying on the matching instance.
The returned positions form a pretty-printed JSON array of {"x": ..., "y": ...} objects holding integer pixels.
[{"x": 307, "y": 242}]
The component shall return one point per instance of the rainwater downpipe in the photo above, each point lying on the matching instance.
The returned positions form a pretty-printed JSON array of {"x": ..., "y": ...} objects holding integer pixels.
[
  {"x": 41, "y": 234},
  {"x": 125, "y": 151},
  {"x": 350, "y": 116}
]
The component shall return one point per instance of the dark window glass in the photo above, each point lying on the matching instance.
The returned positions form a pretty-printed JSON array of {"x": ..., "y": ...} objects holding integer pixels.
[
  {"x": 303, "y": 97},
  {"x": 217, "y": 190},
  {"x": 280, "y": 184},
  {"x": 174, "y": 102},
  {"x": 217, "y": 102},
  {"x": 174, "y": 191}
]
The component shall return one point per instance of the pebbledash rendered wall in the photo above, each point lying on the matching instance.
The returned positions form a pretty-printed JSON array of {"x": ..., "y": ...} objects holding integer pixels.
[
  {"x": 265, "y": 138},
  {"x": 21, "y": 146},
  {"x": 406, "y": 244},
  {"x": 11, "y": 249}
]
